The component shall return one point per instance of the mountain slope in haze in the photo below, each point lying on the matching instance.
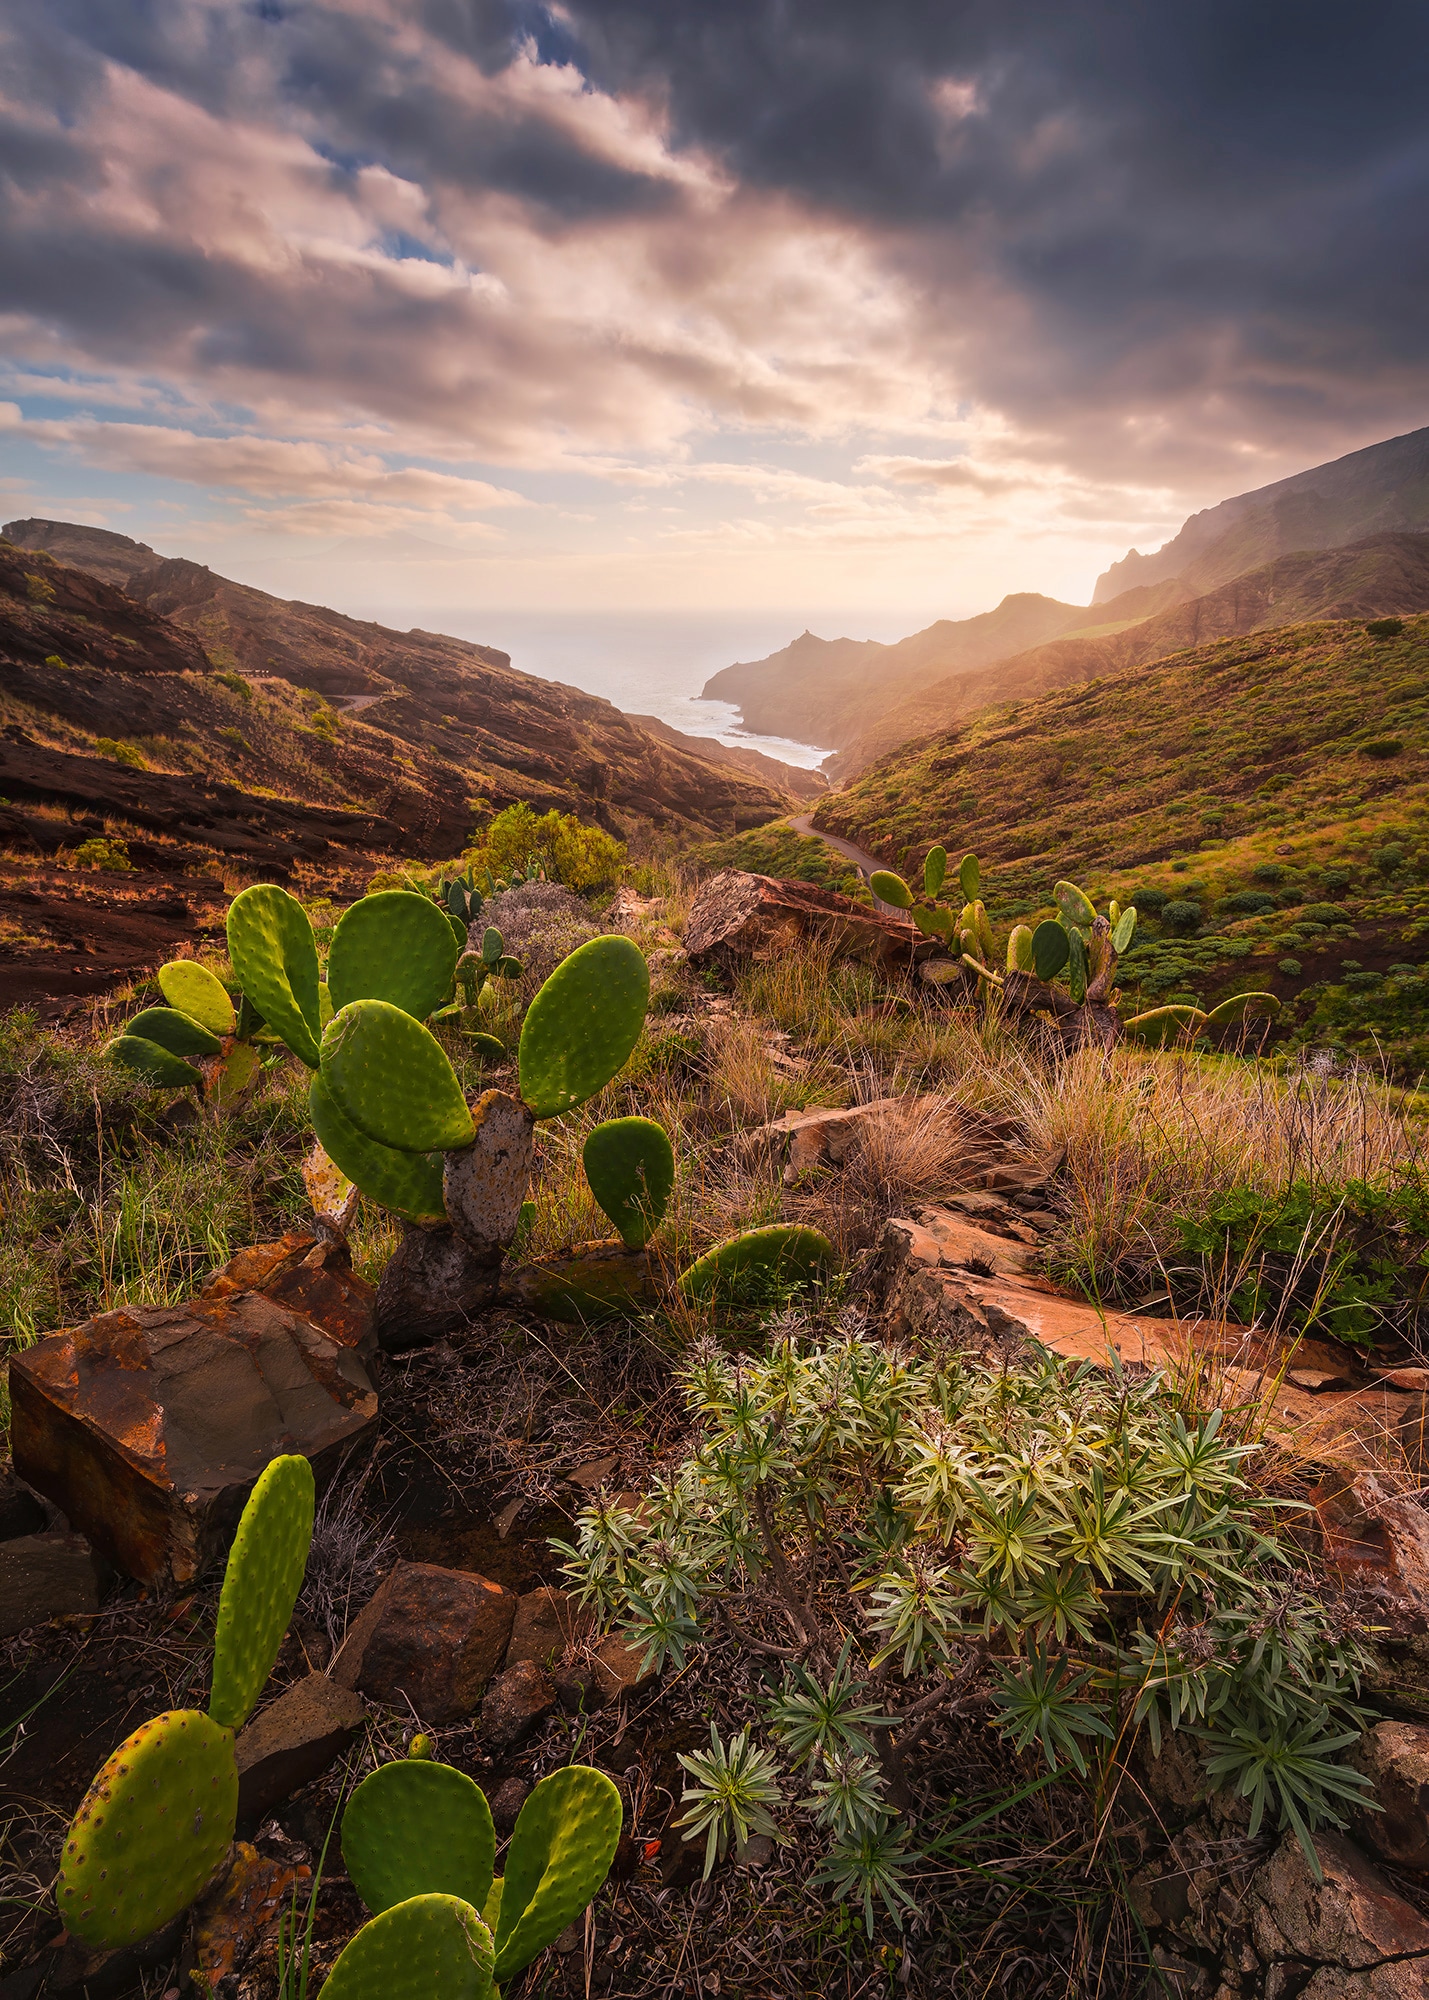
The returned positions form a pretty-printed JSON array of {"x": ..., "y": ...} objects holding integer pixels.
[
  {"x": 1382, "y": 575},
  {"x": 1277, "y": 783},
  {"x": 792, "y": 778},
  {"x": 1381, "y": 489}
]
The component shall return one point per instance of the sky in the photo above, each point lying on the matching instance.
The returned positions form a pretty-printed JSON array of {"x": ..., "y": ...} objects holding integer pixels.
[{"x": 796, "y": 312}]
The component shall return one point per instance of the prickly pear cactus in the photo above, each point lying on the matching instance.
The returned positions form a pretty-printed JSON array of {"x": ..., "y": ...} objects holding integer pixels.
[
  {"x": 581, "y": 1026},
  {"x": 935, "y": 867},
  {"x": 155, "y": 1065},
  {"x": 275, "y": 959},
  {"x": 1242, "y": 1007},
  {"x": 1019, "y": 950},
  {"x": 969, "y": 877},
  {"x": 260, "y": 1586},
  {"x": 391, "y": 1079},
  {"x": 410, "y": 1184},
  {"x": 630, "y": 1165},
  {"x": 891, "y": 888},
  {"x": 199, "y": 993},
  {"x": 176, "y": 1032},
  {"x": 780, "y": 1253},
  {"x": 1161, "y": 1025},
  {"x": 484, "y": 1185},
  {"x": 153, "y": 1827},
  {"x": 428, "y": 1948},
  {"x": 1050, "y": 949},
  {"x": 416, "y": 1828},
  {"x": 1076, "y": 906},
  {"x": 393, "y": 946},
  {"x": 560, "y": 1853}
]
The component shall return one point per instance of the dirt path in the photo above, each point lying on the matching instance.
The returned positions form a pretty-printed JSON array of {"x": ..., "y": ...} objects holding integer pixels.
[{"x": 859, "y": 856}]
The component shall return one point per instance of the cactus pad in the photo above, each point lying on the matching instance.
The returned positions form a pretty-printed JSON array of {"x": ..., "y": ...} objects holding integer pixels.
[
  {"x": 393, "y": 946},
  {"x": 417, "y": 1828},
  {"x": 484, "y": 1184},
  {"x": 410, "y": 1184},
  {"x": 234, "y": 1075},
  {"x": 428, "y": 1948},
  {"x": 391, "y": 1079},
  {"x": 199, "y": 993},
  {"x": 275, "y": 957},
  {"x": 560, "y": 1853},
  {"x": 1050, "y": 950},
  {"x": 581, "y": 1026},
  {"x": 1019, "y": 949},
  {"x": 1164, "y": 1024},
  {"x": 969, "y": 877},
  {"x": 1123, "y": 925},
  {"x": 588, "y": 1284},
  {"x": 153, "y": 1827},
  {"x": 630, "y": 1165},
  {"x": 1076, "y": 907},
  {"x": 1242, "y": 1007},
  {"x": 157, "y": 1066},
  {"x": 260, "y": 1586},
  {"x": 760, "y": 1260},
  {"x": 458, "y": 930},
  {"x": 176, "y": 1032},
  {"x": 891, "y": 888},
  {"x": 935, "y": 868}
]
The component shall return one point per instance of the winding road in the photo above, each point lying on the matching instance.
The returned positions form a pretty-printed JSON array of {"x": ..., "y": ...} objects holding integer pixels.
[{"x": 859, "y": 856}]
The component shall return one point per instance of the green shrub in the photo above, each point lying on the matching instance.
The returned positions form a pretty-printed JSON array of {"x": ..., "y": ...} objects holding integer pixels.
[
  {"x": 1150, "y": 902},
  {"x": 1290, "y": 967},
  {"x": 239, "y": 686},
  {"x": 122, "y": 753},
  {"x": 582, "y": 857},
  {"x": 1246, "y": 903},
  {"x": 103, "y": 851},
  {"x": 1388, "y": 858},
  {"x": 1385, "y": 628},
  {"x": 1381, "y": 747},
  {"x": 54, "y": 660},
  {"x": 1360, "y": 982},
  {"x": 1324, "y": 913},
  {"x": 1272, "y": 872},
  {"x": 1182, "y": 915}
]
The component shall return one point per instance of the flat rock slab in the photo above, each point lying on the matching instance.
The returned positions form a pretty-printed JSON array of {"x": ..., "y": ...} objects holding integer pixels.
[
  {"x": 1394, "y": 1756},
  {"x": 737, "y": 915},
  {"x": 148, "y": 1427},
  {"x": 293, "y": 1741},
  {"x": 44, "y": 1577},
  {"x": 430, "y": 1636},
  {"x": 1351, "y": 1921},
  {"x": 310, "y": 1275}
]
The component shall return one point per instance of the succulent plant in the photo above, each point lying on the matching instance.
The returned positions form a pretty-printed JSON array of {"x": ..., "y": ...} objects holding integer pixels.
[
  {"x": 275, "y": 960},
  {"x": 630, "y": 1165},
  {"x": 197, "y": 1041},
  {"x": 759, "y": 1260},
  {"x": 1159, "y": 1026},
  {"x": 473, "y": 969},
  {"x": 428, "y": 1946},
  {"x": 158, "y": 1819},
  {"x": 396, "y": 947}
]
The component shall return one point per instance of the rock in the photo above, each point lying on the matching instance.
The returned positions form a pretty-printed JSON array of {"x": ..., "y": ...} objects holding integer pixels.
[
  {"x": 20, "y": 1512},
  {"x": 1405, "y": 1378},
  {"x": 577, "y": 1689},
  {"x": 736, "y": 916},
  {"x": 547, "y": 1623},
  {"x": 806, "y": 1140},
  {"x": 485, "y": 1183},
  {"x": 506, "y": 1803},
  {"x": 110, "y": 1975},
  {"x": 1351, "y": 1922},
  {"x": 311, "y": 1275},
  {"x": 618, "y": 1669},
  {"x": 573, "y": 1936},
  {"x": 514, "y": 1703},
  {"x": 1394, "y": 1756},
  {"x": 147, "y": 1427},
  {"x": 595, "y": 1473},
  {"x": 1381, "y": 1540},
  {"x": 432, "y": 1636},
  {"x": 587, "y": 1284},
  {"x": 230, "y": 1919},
  {"x": 44, "y": 1577},
  {"x": 432, "y": 1285},
  {"x": 757, "y": 1852},
  {"x": 293, "y": 1741}
]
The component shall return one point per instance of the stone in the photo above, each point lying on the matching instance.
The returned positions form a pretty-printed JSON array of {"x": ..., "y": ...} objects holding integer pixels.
[
  {"x": 808, "y": 1140},
  {"x": 577, "y": 1689},
  {"x": 292, "y": 1741},
  {"x": 546, "y": 1625},
  {"x": 506, "y": 1803},
  {"x": 736, "y": 916},
  {"x": 757, "y": 1852},
  {"x": 1351, "y": 1921},
  {"x": 595, "y": 1473},
  {"x": 518, "y": 1698},
  {"x": 148, "y": 1426},
  {"x": 43, "y": 1577},
  {"x": 430, "y": 1636},
  {"x": 1394, "y": 1756},
  {"x": 432, "y": 1285},
  {"x": 1381, "y": 1540},
  {"x": 618, "y": 1668},
  {"x": 20, "y": 1512},
  {"x": 309, "y": 1274},
  {"x": 232, "y": 1916}
]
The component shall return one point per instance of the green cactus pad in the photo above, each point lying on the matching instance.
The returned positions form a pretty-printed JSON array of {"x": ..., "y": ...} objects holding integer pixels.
[
  {"x": 417, "y": 1828},
  {"x": 490, "y": 1047},
  {"x": 173, "y": 1031},
  {"x": 410, "y": 1184},
  {"x": 1050, "y": 949},
  {"x": 560, "y": 1853},
  {"x": 232, "y": 1078},
  {"x": 1164, "y": 1024},
  {"x": 630, "y": 1165},
  {"x": 428, "y": 1948},
  {"x": 1077, "y": 967},
  {"x": 891, "y": 888},
  {"x": 393, "y": 946},
  {"x": 1242, "y": 1007},
  {"x": 458, "y": 930},
  {"x": 492, "y": 946},
  {"x": 199, "y": 993},
  {"x": 581, "y": 1026},
  {"x": 935, "y": 868},
  {"x": 260, "y": 1586},
  {"x": 275, "y": 958},
  {"x": 155, "y": 1065},
  {"x": 391, "y": 1079},
  {"x": 1076, "y": 907},
  {"x": 153, "y": 1827},
  {"x": 1019, "y": 949},
  {"x": 1122, "y": 928},
  {"x": 969, "y": 877},
  {"x": 588, "y": 1284},
  {"x": 779, "y": 1254}
]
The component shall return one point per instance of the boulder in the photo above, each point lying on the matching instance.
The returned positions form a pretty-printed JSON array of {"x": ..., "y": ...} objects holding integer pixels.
[
  {"x": 1351, "y": 1923},
  {"x": 619, "y": 1669},
  {"x": 506, "y": 1803},
  {"x": 1379, "y": 1540},
  {"x": 43, "y": 1577},
  {"x": 518, "y": 1698},
  {"x": 547, "y": 1622},
  {"x": 1394, "y": 1756},
  {"x": 430, "y": 1636},
  {"x": 293, "y": 1741},
  {"x": 736, "y": 916},
  {"x": 311, "y": 1275},
  {"x": 806, "y": 1140},
  {"x": 20, "y": 1512},
  {"x": 148, "y": 1426}
]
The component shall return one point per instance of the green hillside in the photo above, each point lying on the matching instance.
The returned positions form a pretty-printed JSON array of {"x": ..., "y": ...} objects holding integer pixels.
[{"x": 1266, "y": 796}]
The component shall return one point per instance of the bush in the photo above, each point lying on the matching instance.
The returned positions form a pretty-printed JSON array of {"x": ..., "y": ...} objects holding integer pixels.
[
  {"x": 1360, "y": 982},
  {"x": 1381, "y": 747},
  {"x": 1272, "y": 872},
  {"x": 54, "y": 660},
  {"x": 1385, "y": 628},
  {"x": 239, "y": 686},
  {"x": 122, "y": 753},
  {"x": 1388, "y": 858},
  {"x": 1290, "y": 967},
  {"x": 1246, "y": 903},
  {"x": 1183, "y": 915},
  {"x": 1336, "y": 880},
  {"x": 101, "y": 851},
  {"x": 582, "y": 857},
  {"x": 1324, "y": 913},
  {"x": 1150, "y": 902}
]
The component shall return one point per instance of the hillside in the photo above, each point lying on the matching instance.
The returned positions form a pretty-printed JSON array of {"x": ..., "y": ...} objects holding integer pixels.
[
  {"x": 1382, "y": 575},
  {"x": 1275, "y": 785},
  {"x": 1381, "y": 489},
  {"x": 793, "y": 778}
]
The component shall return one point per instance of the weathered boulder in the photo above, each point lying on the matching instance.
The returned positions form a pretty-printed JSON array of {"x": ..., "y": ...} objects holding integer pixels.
[
  {"x": 546, "y": 1624},
  {"x": 43, "y": 1577},
  {"x": 1394, "y": 1756},
  {"x": 1351, "y": 1923},
  {"x": 431, "y": 1636},
  {"x": 147, "y": 1427},
  {"x": 293, "y": 1741},
  {"x": 311, "y": 1275},
  {"x": 520, "y": 1696},
  {"x": 506, "y": 1803},
  {"x": 736, "y": 916},
  {"x": 828, "y": 1137}
]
